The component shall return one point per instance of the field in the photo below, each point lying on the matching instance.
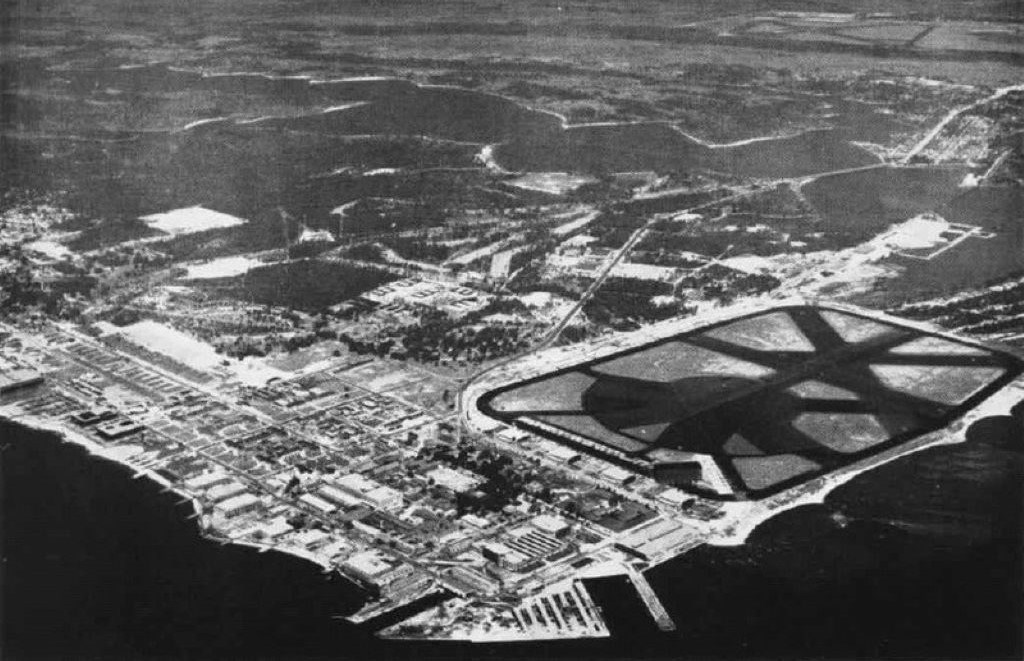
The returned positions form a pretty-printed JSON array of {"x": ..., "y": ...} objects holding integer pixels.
[
  {"x": 768, "y": 400},
  {"x": 562, "y": 392},
  {"x": 224, "y": 267},
  {"x": 175, "y": 344},
  {"x": 659, "y": 362},
  {"x": 189, "y": 221}
]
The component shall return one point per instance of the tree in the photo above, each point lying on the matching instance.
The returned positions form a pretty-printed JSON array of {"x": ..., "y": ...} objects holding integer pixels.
[{"x": 18, "y": 287}]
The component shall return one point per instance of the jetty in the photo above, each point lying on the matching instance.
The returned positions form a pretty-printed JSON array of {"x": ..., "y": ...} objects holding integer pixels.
[{"x": 650, "y": 599}]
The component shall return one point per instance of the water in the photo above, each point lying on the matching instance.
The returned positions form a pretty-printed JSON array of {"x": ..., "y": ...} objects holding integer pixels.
[
  {"x": 977, "y": 261},
  {"x": 870, "y": 200},
  {"x": 925, "y": 560},
  {"x": 919, "y": 558},
  {"x": 99, "y": 563}
]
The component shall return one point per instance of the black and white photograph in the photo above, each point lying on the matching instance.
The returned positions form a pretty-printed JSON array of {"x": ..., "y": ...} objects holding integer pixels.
[{"x": 512, "y": 329}]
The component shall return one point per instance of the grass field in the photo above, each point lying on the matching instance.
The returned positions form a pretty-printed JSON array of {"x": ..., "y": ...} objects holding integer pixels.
[
  {"x": 559, "y": 393},
  {"x": 587, "y": 427},
  {"x": 666, "y": 361},
  {"x": 776, "y": 331}
]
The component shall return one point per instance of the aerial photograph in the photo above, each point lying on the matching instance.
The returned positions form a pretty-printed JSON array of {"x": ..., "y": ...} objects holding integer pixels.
[{"x": 532, "y": 329}]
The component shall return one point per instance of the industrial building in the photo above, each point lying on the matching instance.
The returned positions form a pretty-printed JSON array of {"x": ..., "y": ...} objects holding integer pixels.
[
  {"x": 238, "y": 505},
  {"x": 92, "y": 417},
  {"x": 555, "y": 526},
  {"x": 118, "y": 428},
  {"x": 371, "y": 492},
  {"x": 504, "y": 556},
  {"x": 225, "y": 491},
  {"x": 321, "y": 505},
  {"x": 204, "y": 481},
  {"x": 16, "y": 379}
]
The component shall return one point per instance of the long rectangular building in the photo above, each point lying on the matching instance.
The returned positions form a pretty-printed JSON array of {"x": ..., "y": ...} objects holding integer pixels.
[{"x": 238, "y": 505}]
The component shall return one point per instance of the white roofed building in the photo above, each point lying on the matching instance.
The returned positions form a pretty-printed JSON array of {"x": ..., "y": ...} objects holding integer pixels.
[
  {"x": 238, "y": 505},
  {"x": 224, "y": 491}
]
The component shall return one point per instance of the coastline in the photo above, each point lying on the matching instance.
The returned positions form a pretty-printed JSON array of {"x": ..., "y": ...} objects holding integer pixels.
[
  {"x": 66, "y": 434},
  {"x": 743, "y": 517}
]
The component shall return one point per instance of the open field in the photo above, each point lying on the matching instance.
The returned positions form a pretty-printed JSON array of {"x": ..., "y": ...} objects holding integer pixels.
[
  {"x": 189, "y": 221},
  {"x": 175, "y": 344},
  {"x": 561, "y": 392},
  {"x": 225, "y": 267},
  {"x": 664, "y": 362}
]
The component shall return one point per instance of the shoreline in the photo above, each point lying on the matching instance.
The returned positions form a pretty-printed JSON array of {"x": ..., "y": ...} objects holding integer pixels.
[
  {"x": 744, "y": 516},
  {"x": 65, "y": 434}
]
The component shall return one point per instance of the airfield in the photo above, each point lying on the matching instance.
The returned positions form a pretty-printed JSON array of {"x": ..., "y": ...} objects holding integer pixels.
[
  {"x": 469, "y": 308},
  {"x": 752, "y": 405}
]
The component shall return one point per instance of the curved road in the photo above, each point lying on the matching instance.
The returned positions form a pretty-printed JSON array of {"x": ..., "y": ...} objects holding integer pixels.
[{"x": 556, "y": 331}]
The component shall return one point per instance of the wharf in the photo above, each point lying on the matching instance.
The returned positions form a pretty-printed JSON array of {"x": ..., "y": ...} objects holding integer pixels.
[{"x": 650, "y": 598}]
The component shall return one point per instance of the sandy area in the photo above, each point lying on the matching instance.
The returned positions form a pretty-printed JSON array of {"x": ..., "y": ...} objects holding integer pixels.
[
  {"x": 223, "y": 267},
  {"x": 190, "y": 220},
  {"x": 173, "y": 343}
]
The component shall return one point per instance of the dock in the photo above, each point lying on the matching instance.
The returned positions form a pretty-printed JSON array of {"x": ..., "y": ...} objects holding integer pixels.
[
  {"x": 650, "y": 599},
  {"x": 422, "y": 590}
]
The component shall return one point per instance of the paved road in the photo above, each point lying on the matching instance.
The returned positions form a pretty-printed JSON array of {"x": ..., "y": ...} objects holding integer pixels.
[
  {"x": 953, "y": 114},
  {"x": 796, "y": 182}
]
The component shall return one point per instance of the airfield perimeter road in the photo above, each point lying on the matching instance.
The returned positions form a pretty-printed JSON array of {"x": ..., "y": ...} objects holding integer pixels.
[{"x": 556, "y": 331}]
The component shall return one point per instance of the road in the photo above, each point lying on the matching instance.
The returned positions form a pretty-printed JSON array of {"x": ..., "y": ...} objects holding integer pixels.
[
  {"x": 414, "y": 561},
  {"x": 952, "y": 115},
  {"x": 795, "y": 182},
  {"x": 606, "y": 270}
]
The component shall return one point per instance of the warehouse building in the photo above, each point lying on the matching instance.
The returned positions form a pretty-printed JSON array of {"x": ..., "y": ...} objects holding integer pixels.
[
  {"x": 16, "y": 379},
  {"x": 221, "y": 492},
  {"x": 118, "y": 428},
  {"x": 238, "y": 505}
]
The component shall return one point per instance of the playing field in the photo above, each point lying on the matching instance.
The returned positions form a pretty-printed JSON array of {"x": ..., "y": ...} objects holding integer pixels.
[{"x": 770, "y": 399}]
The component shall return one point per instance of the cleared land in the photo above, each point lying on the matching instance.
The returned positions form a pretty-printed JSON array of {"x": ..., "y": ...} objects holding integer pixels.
[
  {"x": 173, "y": 343},
  {"x": 190, "y": 220}
]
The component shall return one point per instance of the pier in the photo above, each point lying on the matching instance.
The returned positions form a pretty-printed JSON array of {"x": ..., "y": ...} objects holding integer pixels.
[{"x": 650, "y": 598}]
